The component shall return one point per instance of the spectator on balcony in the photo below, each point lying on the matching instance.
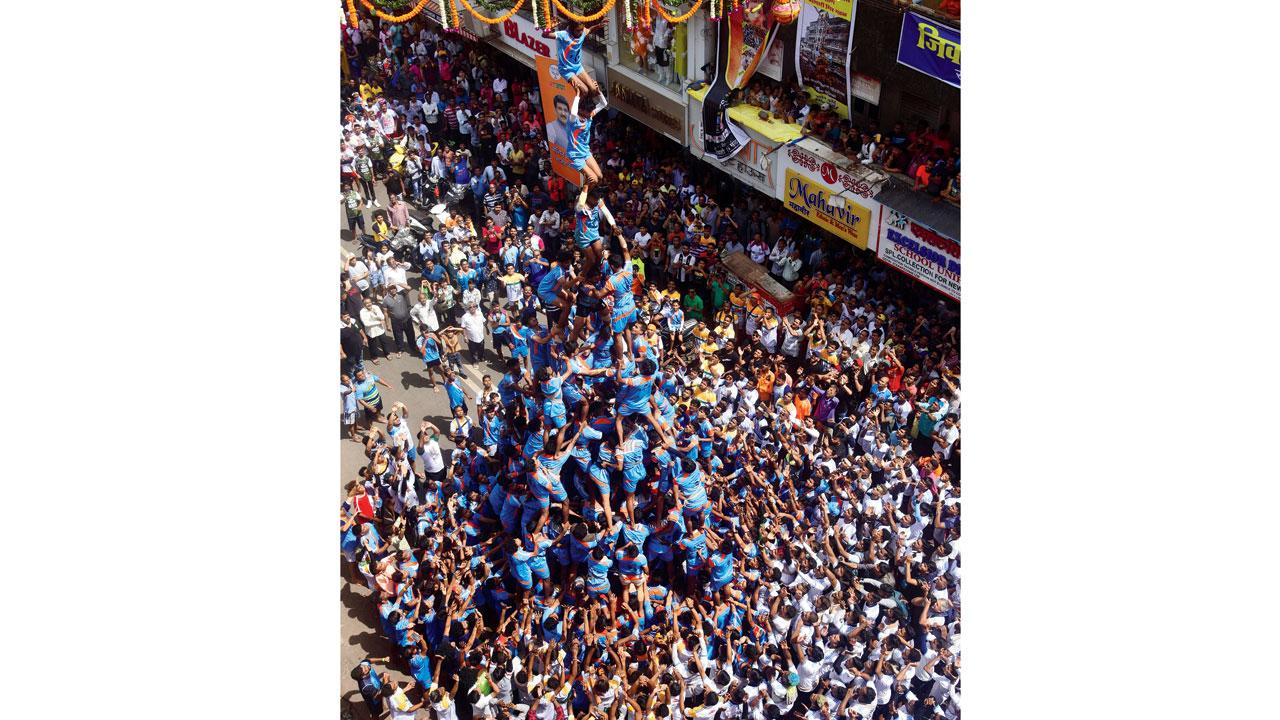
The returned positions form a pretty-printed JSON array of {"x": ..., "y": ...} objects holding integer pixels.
[
  {"x": 868, "y": 151},
  {"x": 895, "y": 159},
  {"x": 952, "y": 191}
]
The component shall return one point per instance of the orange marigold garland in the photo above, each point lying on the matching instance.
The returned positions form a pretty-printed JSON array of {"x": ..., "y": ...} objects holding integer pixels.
[
  {"x": 583, "y": 18},
  {"x": 676, "y": 18},
  {"x": 492, "y": 21},
  {"x": 395, "y": 18}
]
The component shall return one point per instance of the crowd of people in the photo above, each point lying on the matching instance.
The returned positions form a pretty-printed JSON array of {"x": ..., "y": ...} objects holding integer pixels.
[
  {"x": 925, "y": 155},
  {"x": 675, "y": 503}
]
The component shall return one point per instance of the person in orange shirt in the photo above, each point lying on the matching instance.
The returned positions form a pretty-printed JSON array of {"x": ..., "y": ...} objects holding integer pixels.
[
  {"x": 804, "y": 407},
  {"x": 765, "y": 385}
]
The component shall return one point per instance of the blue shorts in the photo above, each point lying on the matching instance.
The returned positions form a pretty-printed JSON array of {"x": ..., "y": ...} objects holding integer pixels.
[
  {"x": 571, "y": 393},
  {"x": 622, "y": 322},
  {"x": 582, "y": 241},
  {"x": 578, "y": 163},
  {"x": 634, "y": 407},
  {"x": 631, "y": 477},
  {"x": 568, "y": 71},
  {"x": 555, "y": 420},
  {"x": 559, "y": 495}
]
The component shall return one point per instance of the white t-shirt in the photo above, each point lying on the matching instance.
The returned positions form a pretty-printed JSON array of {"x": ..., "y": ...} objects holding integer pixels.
[
  {"x": 473, "y": 325},
  {"x": 432, "y": 458},
  {"x": 445, "y": 713},
  {"x": 950, "y": 435}
]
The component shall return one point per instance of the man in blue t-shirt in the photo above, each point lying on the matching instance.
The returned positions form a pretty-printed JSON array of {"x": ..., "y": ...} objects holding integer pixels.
[{"x": 569, "y": 44}]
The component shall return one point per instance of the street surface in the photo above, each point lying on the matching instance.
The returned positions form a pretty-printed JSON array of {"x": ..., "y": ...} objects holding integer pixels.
[{"x": 359, "y": 627}]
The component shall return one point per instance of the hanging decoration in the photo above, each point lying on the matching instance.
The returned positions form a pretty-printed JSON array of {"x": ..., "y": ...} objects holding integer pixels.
[
  {"x": 493, "y": 21},
  {"x": 584, "y": 18},
  {"x": 637, "y": 14},
  {"x": 395, "y": 18},
  {"x": 673, "y": 19}
]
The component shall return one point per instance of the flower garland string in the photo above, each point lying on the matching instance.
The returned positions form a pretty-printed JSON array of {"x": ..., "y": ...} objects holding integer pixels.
[
  {"x": 395, "y": 18},
  {"x": 492, "y": 21},
  {"x": 677, "y": 18},
  {"x": 582, "y": 18}
]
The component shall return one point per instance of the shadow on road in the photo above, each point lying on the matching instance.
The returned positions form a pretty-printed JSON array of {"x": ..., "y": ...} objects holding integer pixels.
[
  {"x": 371, "y": 643},
  {"x": 359, "y": 607},
  {"x": 412, "y": 379}
]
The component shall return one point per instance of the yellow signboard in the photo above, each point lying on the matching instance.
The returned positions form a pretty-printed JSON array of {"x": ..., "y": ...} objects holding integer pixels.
[{"x": 812, "y": 200}]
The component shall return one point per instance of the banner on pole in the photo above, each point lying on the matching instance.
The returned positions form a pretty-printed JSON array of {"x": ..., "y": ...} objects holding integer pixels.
[
  {"x": 741, "y": 39},
  {"x": 824, "y": 41}
]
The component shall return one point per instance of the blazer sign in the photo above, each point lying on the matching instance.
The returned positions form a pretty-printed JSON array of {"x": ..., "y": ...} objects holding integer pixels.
[{"x": 533, "y": 41}]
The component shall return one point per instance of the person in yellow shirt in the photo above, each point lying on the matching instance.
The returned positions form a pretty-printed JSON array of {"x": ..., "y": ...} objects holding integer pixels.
[
  {"x": 369, "y": 89},
  {"x": 723, "y": 331}
]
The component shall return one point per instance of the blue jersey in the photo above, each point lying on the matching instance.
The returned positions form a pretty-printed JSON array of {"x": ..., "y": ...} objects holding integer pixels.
[
  {"x": 430, "y": 348},
  {"x": 465, "y": 278},
  {"x": 637, "y": 533},
  {"x": 695, "y": 548},
  {"x": 518, "y": 562},
  {"x": 721, "y": 568},
  {"x": 457, "y": 397},
  {"x": 631, "y": 567},
  {"x": 579, "y": 137},
  {"x": 623, "y": 299},
  {"x": 598, "y": 574},
  {"x": 695, "y": 494},
  {"x": 547, "y": 285},
  {"x": 507, "y": 389},
  {"x": 634, "y": 393},
  {"x": 569, "y": 52},
  {"x": 587, "y": 226}
]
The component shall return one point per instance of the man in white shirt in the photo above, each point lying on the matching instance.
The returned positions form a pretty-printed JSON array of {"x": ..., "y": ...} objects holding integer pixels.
[
  {"x": 945, "y": 435},
  {"x": 504, "y": 150},
  {"x": 396, "y": 274},
  {"x": 473, "y": 328},
  {"x": 372, "y": 319}
]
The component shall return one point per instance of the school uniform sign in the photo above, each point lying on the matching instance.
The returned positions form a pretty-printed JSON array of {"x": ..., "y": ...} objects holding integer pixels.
[
  {"x": 930, "y": 47},
  {"x": 920, "y": 251}
]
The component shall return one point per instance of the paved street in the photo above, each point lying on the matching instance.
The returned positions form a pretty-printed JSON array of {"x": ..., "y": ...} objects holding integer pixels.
[{"x": 360, "y": 636}]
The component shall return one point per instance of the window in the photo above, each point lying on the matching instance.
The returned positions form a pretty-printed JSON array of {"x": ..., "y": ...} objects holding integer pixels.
[{"x": 657, "y": 52}]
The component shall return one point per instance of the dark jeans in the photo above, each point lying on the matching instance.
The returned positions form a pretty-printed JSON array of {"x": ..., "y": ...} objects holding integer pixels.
[
  {"x": 366, "y": 189},
  {"x": 476, "y": 350},
  {"x": 378, "y": 346},
  {"x": 350, "y": 364},
  {"x": 402, "y": 330}
]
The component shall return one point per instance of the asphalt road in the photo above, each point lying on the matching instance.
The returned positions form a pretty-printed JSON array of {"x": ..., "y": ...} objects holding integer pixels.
[{"x": 360, "y": 636}]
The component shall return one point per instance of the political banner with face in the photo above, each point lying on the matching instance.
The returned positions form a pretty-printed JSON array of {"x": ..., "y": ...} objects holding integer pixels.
[{"x": 557, "y": 97}]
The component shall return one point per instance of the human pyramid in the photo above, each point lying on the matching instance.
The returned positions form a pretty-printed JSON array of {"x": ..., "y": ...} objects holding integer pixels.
[{"x": 626, "y": 535}]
